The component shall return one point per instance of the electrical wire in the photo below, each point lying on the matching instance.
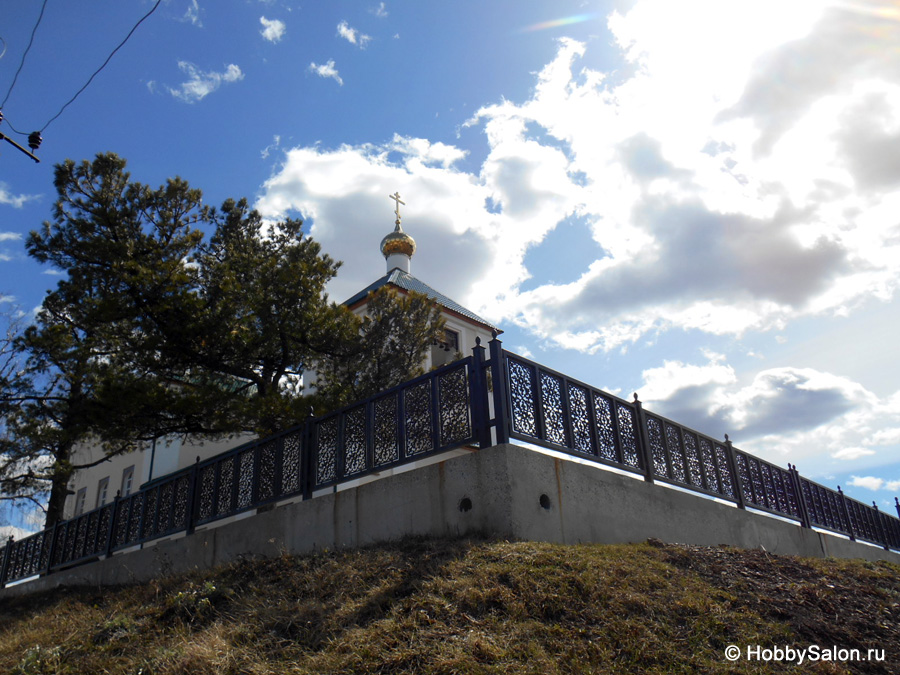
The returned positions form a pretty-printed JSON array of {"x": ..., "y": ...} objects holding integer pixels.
[
  {"x": 9, "y": 124},
  {"x": 24, "y": 54},
  {"x": 96, "y": 72}
]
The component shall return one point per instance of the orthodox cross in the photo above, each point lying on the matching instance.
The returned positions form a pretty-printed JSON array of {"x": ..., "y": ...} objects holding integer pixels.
[{"x": 396, "y": 198}]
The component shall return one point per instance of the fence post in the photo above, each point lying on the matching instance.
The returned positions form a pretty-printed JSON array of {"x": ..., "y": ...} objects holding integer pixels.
[
  {"x": 801, "y": 498},
  {"x": 111, "y": 528},
  {"x": 306, "y": 455},
  {"x": 846, "y": 511},
  {"x": 881, "y": 531},
  {"x": 643, "y": 443},
  {"x": 478, "y": 394},
  {"x": 501, "y": 393},
  {"x": 6, "y": 555},
  {"x": 732, "y": 466},
  {"x": 193, "y": 504},
  {"x": 255, "y": 483}
]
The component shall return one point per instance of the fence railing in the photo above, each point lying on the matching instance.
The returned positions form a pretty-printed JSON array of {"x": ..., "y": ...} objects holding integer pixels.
[
  {"x": 442, "y": 410},
  {"x": 423, "y": 417},
  {"x": 549, "y": 409}
]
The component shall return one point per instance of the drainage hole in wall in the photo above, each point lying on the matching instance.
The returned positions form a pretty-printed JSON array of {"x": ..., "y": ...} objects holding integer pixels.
[
  {"x": 545, "y": 502},
  {"x": 465, "y": 504}
]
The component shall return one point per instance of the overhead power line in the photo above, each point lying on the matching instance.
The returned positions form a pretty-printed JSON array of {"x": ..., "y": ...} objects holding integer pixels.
[
  {"x": 108, "y": 58},
  {"x": 34, "y": 141},
  {"x": 24, "y": 54},
  {"x": 34, "y": 138}
]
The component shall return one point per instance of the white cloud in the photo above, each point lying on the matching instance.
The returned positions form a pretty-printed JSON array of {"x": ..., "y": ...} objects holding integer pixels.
[
  {"x": 716, "y": 206},
  {"x": 781, "y": 399},
  {"x": 16, "y": 201},
  {"x": 274, "y": 145},
  {"x": 273, "y": 29},
  {"x": 380, "y": 11},
  {"x": 10, "y": 236},
  {"x": 783, "y": 414},
  {"x": 809, "y": 411},
  {"x": 851, "y": 454},
  {"x": 326, "y": 70},
  {"x": 674, "y": 377},
  {"x": 352, "y": 35},
  {"x": 873, "y": 483},
  {"x": 343, "y": 190},
  {"x": 201, "y": 84},
  {"x": 427, "y": 152},
  {"x": 192, "y": 14},
  {"x": 702, "y": 229}
]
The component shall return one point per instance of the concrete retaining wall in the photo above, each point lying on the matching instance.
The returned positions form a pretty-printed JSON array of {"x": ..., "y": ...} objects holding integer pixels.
[{"x": 506, "y": 491}]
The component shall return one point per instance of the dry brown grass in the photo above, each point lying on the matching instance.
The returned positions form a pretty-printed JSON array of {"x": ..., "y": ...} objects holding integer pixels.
[{"x": 465, "y": 606}]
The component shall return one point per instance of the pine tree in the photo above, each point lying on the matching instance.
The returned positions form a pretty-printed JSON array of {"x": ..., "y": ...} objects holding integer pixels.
[
  {"x": 158, "y": 329},
  {"x": 388, "y": 347}
]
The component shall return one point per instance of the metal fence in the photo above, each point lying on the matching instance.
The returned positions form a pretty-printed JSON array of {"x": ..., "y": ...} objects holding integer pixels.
[
  {"x": 420, "y": 418},
  {"x": 549, "y": 409},
  {"x": 476, "y": 401}
]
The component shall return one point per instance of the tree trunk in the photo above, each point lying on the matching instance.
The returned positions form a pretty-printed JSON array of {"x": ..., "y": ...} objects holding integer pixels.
[{"x": 59, "y": 488}]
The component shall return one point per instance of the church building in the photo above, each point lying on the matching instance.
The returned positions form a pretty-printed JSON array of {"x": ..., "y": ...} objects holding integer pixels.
[
  {"x": 94, "y": 487},
  {"x": 461, "y": 326}
]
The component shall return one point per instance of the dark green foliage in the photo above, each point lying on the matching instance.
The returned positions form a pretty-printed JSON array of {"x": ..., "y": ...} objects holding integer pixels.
[
  {"x": 387, "y": 347},
  {"x": 17, "y": 477}
]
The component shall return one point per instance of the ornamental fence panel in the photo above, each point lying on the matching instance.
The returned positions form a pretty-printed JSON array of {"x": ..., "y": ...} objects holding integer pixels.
[
  {"x": 423, "y": 417},
  {"x": 554, "y": 411},
  {"x": 474, "y": 402},
  {"x": 250, "y": 476},
  {"x": 768, "y": 487},
  {"x": 834, "y": 511},
  {"x": 686, "y": 458}
]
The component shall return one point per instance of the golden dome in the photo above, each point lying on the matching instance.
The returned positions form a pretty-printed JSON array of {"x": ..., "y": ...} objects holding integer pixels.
[{"x": 398, "y": 242}]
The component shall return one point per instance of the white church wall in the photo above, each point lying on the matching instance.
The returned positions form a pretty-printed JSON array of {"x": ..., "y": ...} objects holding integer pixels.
[
  {"x": 121, "y": 472},
  {"x": 164, "y": 458},
  {"x": 129, "y": 471}
]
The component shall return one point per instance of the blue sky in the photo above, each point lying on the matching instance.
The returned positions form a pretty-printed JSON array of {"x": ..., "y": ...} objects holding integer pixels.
[{"x": 696, "y": 201}]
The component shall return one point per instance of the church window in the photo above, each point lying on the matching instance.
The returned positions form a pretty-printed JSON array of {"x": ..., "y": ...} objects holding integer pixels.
[
  {"x": 80, "y": 496},
  {"x": 127, "y": 480},
  {"x": 451, "y": 340},
  {"x": 102, "y": 491},
  {"x": 446, "y": 350}
]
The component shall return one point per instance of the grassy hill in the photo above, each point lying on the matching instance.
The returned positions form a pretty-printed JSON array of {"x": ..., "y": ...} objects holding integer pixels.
[{"x": 469, "y": 606}]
